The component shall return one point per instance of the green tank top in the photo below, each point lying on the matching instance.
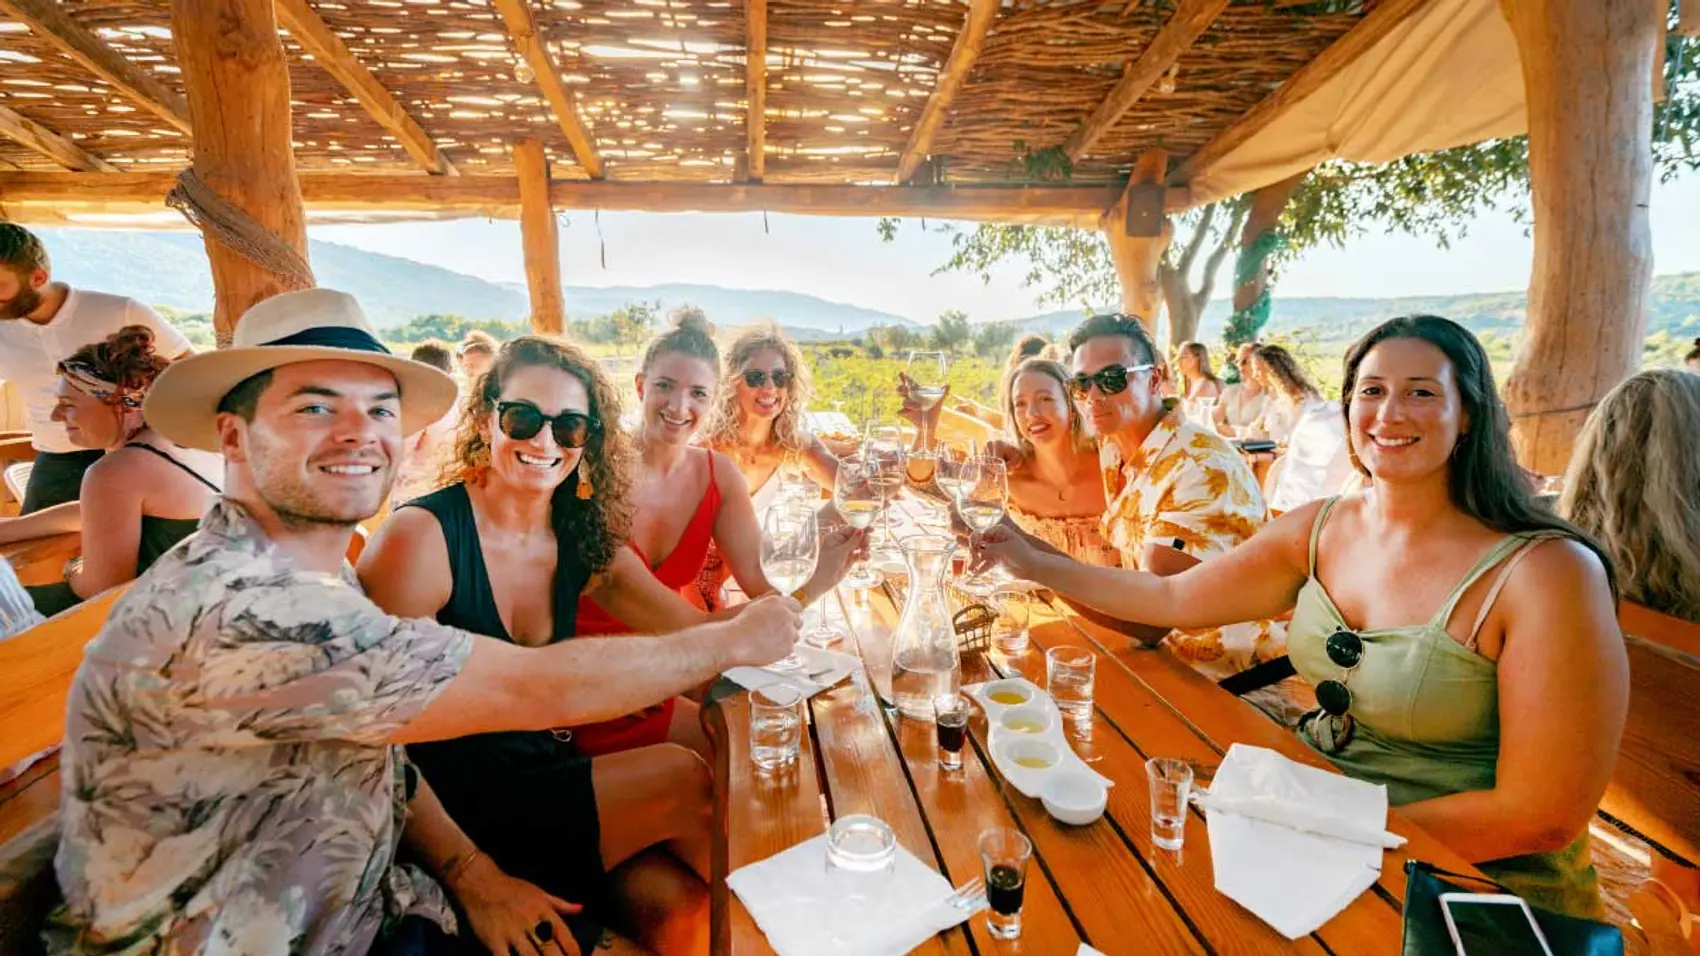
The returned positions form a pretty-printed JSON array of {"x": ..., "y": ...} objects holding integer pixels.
[{"x": 1427, "y": 720}]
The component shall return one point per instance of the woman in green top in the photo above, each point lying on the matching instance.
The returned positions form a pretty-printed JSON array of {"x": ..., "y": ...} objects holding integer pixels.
[
  {"x": 143, "y": 496},
  {"x": 1463, "y": 642}
]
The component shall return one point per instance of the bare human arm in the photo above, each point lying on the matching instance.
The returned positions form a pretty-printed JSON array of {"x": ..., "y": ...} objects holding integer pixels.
[
  {"x": 65, "y": 518},
  {"x": 111, "y": 501},
  {"x": 1563, "y": 689},
  {"x": 820, "y": 462},
  {"x": 503, "y": 910}
]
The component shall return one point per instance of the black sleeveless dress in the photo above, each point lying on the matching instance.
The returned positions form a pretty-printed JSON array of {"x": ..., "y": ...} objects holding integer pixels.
[{"x": 525, "y": 797}]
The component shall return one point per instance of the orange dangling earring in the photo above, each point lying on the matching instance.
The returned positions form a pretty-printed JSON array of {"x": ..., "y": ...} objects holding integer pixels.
[{"x": 585, "y": 488}]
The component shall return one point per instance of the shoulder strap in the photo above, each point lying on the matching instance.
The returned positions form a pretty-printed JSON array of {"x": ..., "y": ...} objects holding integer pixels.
[
  {"x": 711, "y": 484},
  {"x": 1499, "y": 580},
  {"x": 192, "y": 472},
  {"x": 1483, "y": 565},
  {"x": 472, "y": 603},
  {"x": 1316, "y": 529}
]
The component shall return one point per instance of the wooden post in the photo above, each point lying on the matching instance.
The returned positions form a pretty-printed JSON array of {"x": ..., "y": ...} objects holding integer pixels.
[
  {"x": 1136, "y": 257},
  {"x": 238, "y": 90},
  {"x": 1585, "y": 69},
  {"x": 537, "y": 234}
]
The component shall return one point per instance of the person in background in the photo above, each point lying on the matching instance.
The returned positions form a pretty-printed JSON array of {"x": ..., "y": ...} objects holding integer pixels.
[
  {"x": 1691, "y": 361},
  {"x": 476, "y": 353},
  {"x": 1290, "y": 393},
  {"x": 1317, "y": 461},
  {"x": 1031, "y": 345},
  {"x": 1177, "y": 495},
  {"x": 422, "y": 462},
  {"x": 237, "y": 721},
  {"x": 1199, "y": 378},
  {"x": 142, "y": 496},
  {"x": 1242, "y": 402},
  {"x": 42, "y": 322},
  {"x": 1458, "y": 635}
]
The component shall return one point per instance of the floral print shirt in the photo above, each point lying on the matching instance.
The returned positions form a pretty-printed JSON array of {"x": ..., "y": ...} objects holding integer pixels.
[
  {"x": 228, "y": 788},
  {"x": 1190, "y": 484}
]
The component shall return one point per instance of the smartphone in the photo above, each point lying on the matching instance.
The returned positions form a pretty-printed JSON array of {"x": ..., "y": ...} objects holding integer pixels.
[{"x": 1496, "y": 924}]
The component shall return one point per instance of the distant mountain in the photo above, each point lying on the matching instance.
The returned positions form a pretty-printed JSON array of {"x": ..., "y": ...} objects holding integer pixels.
[{"x": 170, "y": 269}]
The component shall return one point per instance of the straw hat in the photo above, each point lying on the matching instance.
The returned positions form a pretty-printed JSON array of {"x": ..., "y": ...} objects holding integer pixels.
[{"x": 313, "y": 325}]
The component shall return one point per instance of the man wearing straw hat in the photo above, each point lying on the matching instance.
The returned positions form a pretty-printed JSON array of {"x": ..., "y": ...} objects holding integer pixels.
[{"x": 234, "y": 782}]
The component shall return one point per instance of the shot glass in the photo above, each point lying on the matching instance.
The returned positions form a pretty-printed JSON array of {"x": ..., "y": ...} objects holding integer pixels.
[
  {"x": 950, "y": 714},
  {"x": 1004, "y": 854},
  {"x": 1171, "y": 786},
  {"x": 1014, "y": 607},
  {"x": 1069, "y": 672},
  {"x": 776, "y": 725}
]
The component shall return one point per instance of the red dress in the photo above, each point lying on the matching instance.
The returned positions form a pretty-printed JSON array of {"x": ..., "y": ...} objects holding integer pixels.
[{"x": 678, "y": 571}]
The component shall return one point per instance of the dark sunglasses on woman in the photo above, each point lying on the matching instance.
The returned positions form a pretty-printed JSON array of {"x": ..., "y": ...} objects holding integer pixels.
[
  {"x": 521, "y": 421},
  {"x": 1111, "y": 379},
  {"x": 757, "y": 378}
]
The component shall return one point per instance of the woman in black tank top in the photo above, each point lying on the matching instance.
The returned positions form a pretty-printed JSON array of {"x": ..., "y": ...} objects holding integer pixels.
[{"x": 145, "y": 494}]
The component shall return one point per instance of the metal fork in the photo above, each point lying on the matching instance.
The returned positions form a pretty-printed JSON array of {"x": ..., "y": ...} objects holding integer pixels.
[{"x": 970, "y": 896}]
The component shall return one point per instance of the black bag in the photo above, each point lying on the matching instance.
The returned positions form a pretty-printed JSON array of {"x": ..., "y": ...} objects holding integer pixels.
[
  {"x": 1425, "y": 924},
  {"x": 1252, "y": 446}
]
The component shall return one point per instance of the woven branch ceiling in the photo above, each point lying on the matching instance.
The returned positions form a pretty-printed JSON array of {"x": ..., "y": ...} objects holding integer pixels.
[{"x": 661, "y": 84}]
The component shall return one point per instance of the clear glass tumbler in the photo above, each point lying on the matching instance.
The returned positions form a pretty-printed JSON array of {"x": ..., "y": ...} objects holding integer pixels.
[
  {"x": 1004, "y": 854},
  {"x": 1171, "y": 787},
  {"x": 776, "y": 725},
  {"x": 1013, "y": 606},
  {"x": 1069, "y": 672}
]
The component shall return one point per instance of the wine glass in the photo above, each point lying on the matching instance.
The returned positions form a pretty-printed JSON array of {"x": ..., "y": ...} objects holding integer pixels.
[
  {"x": 886, "y": 452},
  {"x": 954, "y": 456},
  {"x": 981, "y": 502},
  {"x": 927, "y": 372},
  {"x": 790, "y": 549},
  {"x": 857, "y": 496}
]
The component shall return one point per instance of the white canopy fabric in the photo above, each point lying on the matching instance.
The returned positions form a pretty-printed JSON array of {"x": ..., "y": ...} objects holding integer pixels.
[{"x": 1449, "y": 75}]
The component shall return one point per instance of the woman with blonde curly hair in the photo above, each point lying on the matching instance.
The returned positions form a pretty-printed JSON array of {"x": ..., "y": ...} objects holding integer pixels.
[
  {"x": 536, "y": 515},
  {"x": 759, "y": 421}
]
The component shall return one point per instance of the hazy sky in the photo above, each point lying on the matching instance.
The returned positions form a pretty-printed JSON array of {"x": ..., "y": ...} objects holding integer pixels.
[{"x": 844, "y": 260}]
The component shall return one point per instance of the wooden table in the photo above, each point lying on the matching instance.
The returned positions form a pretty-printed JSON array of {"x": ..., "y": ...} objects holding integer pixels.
[
  {"x": 42, "y": 560},
  {"x": 1105, "y": 883}
]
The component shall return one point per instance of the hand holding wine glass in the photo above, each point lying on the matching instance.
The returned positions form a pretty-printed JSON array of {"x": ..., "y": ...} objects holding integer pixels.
[
  {"x": 790, "y": 549},
  {"x": 856, "y": 494},
  {"x": 981, "y": 501}
]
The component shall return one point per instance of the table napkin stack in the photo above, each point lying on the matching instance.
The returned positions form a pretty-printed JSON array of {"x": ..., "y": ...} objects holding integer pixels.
[
  {"x": 1303, "y": 843},
  {"x": 803, "y": 912},
  {"x": 830, "y": 667}
]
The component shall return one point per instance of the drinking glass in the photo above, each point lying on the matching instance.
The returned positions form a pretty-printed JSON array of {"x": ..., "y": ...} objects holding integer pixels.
[
  {"x": 1069, "y": 670},
  {"x": 1005, "y": 854},
  {"x": 790, "y": 549},
  {"x": 776, "y": 725},
  {"x": 981, "y": 502},
  {"x": 1014, "y": 609},
  {"x": 885, "y": 451},
  {"x": 861, "y": 853},
  {"x": 1171, "y": 786},
  {"x": 857, "y": 496},
  {"x": 950, "y": 713},
  {"x": 953, "y": 458},
  {"x": 927, "y": 371}
]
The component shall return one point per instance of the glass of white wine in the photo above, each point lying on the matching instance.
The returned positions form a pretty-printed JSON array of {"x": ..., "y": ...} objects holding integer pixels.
[
  {"x": 981, "y": 502},
  {"x": 927, "y": 372},
  {"x": 886, "y": 456},
  {"x": 856, "y": 494},
  {"x": 790, "y": 549}
]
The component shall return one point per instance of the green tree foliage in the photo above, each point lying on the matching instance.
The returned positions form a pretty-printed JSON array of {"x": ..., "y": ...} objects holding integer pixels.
[
  {"x": 952, "y": 333},
  {"x": 450, "y": 328},
  {"x": 994, "y": 339},
  {"x": 629, "y": 325}
]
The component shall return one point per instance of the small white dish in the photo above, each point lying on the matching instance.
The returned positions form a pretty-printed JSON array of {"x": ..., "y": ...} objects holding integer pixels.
[
  {"x": 1033, "y": 721},
  {"x": 1074, "y": 798}
]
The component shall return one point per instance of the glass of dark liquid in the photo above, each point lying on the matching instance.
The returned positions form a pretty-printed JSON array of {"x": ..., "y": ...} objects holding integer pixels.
[
  {"x": 950, "y": 713},
  {"x": 1005, "y": 854}
]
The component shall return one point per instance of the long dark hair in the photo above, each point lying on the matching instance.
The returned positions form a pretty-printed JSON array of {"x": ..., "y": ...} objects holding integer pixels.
[{"x": 1483, "y": 478}]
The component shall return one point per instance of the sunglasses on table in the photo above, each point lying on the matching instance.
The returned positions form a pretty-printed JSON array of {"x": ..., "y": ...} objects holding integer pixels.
[
  {"x": 1330, "y": 726},
  {"x": 521, "y": 421},
  {"x": 757, "y": 378},
  {"x": 1111, "y": 379}
]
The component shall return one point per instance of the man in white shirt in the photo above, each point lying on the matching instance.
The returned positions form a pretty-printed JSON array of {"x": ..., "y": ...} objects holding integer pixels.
[{"x": 41, "y": 323}]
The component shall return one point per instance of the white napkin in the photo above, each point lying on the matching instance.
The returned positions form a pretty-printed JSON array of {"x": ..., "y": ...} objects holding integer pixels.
[
  {"x": 804, "y": 912},
  {"x": 1317, "y": 820},
  {"x": 835, "y": 664},
  {"x": 1292, "y": 879},
  {"x": 1086, "y": 950}
]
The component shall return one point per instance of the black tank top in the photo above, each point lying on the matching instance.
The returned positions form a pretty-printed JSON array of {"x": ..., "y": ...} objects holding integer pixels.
[
  {"x": 160, "y": 535},
  {"x": 472, "y": 602}
]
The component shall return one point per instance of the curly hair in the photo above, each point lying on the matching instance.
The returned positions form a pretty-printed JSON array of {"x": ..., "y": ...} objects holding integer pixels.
[
  {"x": 1633, "y": 482},
  {"x": 788, "y": 427},
  {"x": 596, "y": 528},
  {"x": 1286, "y": 374},
  {"x": 126, "y": 358},
  {"x": 1051, "y": 369}
]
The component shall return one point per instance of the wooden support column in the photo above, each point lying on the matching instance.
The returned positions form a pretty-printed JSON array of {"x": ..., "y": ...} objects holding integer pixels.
[
  {"x": 237, "y": 83},
  {"x": 1137, "y": 257},
  {"x": 537, "y": 234},
  {"x": 1585, "y": 69}
]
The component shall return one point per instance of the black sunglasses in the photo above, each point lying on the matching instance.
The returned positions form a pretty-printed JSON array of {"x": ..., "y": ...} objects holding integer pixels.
[
  {"x": 1111, "y": 379},
  {"x": 756, "y": 378},
  {"x": 521, "y": 421},
  {"x": 1333, "y": 697}
]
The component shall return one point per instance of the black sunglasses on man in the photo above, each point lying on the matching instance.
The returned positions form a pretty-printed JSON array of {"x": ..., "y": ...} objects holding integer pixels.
[{"x": 1111, "y": 379}]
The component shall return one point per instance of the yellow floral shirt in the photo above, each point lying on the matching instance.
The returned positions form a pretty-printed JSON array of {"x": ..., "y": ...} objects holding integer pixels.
[{"x": 1188, "y": 484}]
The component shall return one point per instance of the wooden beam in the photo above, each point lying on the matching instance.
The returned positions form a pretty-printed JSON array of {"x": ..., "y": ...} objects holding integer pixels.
[
  {"x": 1585, "y": 65},
  {"x": 35, "y": 137},
  {"x": 333, "y": 56},
  {"x": 498, "y": 196},
  {"x": 963, "y": 53},
  {"x": 539, "y": 239},
  {"x": 1136, "y": 258},
  {"x": 522, "y": 29},
  {"x": 1357, "y": 41},
  {"x": 755, "y": 88},
  {"x": 1191, "y": 19},
  {"x": 238, "y": 84},
  {"x": 48, "y": 19}
]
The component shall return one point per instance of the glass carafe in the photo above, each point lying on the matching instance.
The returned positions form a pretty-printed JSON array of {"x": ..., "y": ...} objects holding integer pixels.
[{"x": 924, "y": 660}]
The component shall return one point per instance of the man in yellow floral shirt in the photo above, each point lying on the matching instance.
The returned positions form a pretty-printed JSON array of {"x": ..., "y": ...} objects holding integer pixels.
[{"x": 1177, "y": 493}]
